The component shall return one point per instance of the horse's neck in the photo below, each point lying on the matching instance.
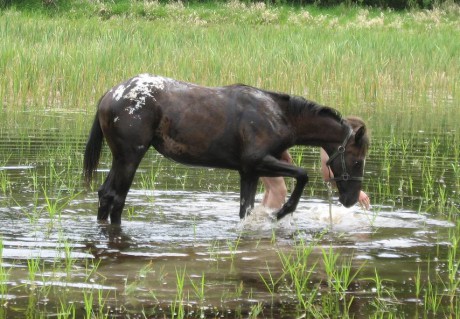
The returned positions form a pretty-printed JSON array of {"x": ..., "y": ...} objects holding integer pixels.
[{"x": 319, "y": 130}]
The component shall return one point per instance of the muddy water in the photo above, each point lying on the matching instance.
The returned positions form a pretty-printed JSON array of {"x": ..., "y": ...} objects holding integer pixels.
[{"x": 182, "y": 248}]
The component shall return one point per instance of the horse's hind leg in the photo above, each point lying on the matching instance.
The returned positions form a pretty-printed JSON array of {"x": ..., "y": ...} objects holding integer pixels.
[
  {"x": 112, "y": 194},
  {"x": 248, "y": 188}
]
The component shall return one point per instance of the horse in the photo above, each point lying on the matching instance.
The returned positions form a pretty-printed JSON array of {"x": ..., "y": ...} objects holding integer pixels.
[{"x": 236, "y": 127}]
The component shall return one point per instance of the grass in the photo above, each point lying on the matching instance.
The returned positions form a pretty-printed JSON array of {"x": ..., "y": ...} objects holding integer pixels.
[
  {"x": 4, "y": 273},
  {"x": 398, "y": 70},
  {"x": 178, "y": 305},
  {"x": 158, "y": 48},
  {"x": 340, "y": 272},
  {"x": 199, "y": 289}
]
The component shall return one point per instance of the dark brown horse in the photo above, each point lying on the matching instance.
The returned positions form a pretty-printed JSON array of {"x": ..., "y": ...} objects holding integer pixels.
[{"x": 235, "y": 127}]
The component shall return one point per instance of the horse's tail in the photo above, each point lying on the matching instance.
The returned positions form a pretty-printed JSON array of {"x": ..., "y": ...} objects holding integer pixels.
[{"x": 93, "y": 150}]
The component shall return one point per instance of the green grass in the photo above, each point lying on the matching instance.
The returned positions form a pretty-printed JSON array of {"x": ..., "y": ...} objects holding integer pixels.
[{"x": 343, "y": 60}]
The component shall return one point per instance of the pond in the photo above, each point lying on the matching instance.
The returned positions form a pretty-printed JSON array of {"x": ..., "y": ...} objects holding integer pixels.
[{"x": 182, "y": 251}]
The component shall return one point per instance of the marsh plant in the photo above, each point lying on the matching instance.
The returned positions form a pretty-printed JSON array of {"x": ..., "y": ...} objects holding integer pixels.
[
  {"x": 178, "y": 304},
  {"x": 67, "y": 310},
  {"x": 5, "y": 184},
  {"x": 199, "y": 289},
  {"x": 271, "y": 282},
  {"x": 339, "y": 271},
  {"x": 385, "y": 300},
  {"x": 298, "y": 269},
  {"x": 452, "y": 287},
  {"x": 3, "y": 274},
  {"x": 54, "y": 205}
]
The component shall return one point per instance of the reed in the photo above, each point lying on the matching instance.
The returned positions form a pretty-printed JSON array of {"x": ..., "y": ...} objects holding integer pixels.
[
  {"x": 55, "y": 205},
  {"x": 102, "y": 311},
  {"x": 199, "y": 289},
  {"x": 5, "y": 185},
  {"x": 33, "y": 265},
  {"x": 67, "y": 310},
  {"x": 233, "y": 247},
  {"x": 178, "y": 305},
  {"x": 270, "y": 283},
  {"x": 298, "y": 269},
  {"x": 453, "y": 267},
  {"x": 432, "y": 299},
  {"x": 385, "y": 300},
  {"x": 339, "y": 272},
  {"x": 4, "y": 273},
  {"x": 256, "y": 310},
  {"x": 418, "y": 283},
  {"x": 88, "y": 299}
]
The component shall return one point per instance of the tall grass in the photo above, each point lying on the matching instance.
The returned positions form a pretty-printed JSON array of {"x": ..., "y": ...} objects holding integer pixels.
[{"x": 354, "y": 65}]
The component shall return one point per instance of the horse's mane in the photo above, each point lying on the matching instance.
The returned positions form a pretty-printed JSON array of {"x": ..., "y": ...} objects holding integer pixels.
[{"x": 299, "y": 105}]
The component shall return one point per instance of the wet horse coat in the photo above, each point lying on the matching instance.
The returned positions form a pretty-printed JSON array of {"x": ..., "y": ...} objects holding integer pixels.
[{"x": 235, "y": 127}]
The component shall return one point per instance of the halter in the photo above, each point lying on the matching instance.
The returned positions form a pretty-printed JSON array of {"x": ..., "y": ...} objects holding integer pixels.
[{"x": 341, "y": 152}]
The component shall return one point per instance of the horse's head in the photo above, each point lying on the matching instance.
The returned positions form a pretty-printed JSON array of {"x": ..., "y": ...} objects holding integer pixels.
[{"x": 347, "y": 162}]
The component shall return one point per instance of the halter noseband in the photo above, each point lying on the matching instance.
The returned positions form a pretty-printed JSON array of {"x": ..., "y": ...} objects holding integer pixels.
[{"x": 341, "y": 151}]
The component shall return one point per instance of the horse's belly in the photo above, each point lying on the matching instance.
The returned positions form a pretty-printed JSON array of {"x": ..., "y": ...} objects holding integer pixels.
[{"x": 196, "y": 154}]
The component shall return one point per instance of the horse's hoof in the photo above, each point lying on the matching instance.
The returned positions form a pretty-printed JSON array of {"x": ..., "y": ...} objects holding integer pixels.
[
  {"x": 280, "y": 214},
  {"x": 102, "y": 221}
]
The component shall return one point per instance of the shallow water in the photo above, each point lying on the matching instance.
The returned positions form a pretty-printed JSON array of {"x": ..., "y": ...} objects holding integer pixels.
[
  {"x": 183, "y": 223},
  {"x": 201, "y": 233}
]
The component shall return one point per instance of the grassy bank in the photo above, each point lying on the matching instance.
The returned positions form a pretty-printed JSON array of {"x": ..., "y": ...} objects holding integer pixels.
[{"x": 352, "y": 59}]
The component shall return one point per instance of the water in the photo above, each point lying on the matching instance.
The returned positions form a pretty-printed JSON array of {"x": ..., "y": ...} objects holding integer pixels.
[{"x": 182, "y": 224}]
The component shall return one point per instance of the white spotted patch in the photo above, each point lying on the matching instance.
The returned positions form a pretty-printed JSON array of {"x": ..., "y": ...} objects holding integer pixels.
[
  {"x": 141, "y": 87},
  {"x": 115, "y": 120},
  {"x": 118, "y": 92}
]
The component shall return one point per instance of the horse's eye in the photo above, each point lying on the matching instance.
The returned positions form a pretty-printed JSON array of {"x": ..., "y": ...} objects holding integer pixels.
[{"x": 358, "y": 164}]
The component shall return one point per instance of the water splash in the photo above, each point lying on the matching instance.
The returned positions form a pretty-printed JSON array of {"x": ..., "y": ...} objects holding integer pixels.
[{"x": 262, "y": 219}]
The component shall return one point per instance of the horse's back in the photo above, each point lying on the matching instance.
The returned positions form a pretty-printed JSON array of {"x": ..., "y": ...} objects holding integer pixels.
[
  {"x": 147, "y": 90},
  {"x": 192, "y": 124}
]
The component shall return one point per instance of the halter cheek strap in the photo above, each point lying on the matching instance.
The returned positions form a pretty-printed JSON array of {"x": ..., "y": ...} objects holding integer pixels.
[{"x": 341, "y": 152}]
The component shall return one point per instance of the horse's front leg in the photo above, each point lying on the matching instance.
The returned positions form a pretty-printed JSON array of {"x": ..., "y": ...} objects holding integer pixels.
[
  {"x": 248, "y": 188},
  {"x": 291, "y": 204},
  {"x": 270, "y": 166}
]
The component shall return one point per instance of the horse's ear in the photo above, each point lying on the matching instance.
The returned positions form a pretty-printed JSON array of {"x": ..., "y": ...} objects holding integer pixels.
[{"x": 360, "y": 133}]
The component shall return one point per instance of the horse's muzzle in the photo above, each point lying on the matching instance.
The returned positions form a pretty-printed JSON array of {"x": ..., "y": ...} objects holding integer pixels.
[{"x": 348, "y": 201}]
